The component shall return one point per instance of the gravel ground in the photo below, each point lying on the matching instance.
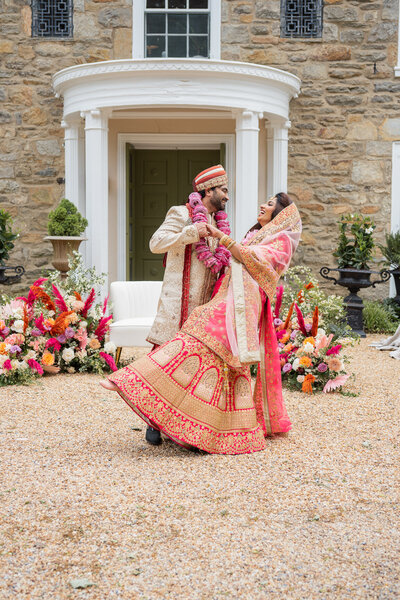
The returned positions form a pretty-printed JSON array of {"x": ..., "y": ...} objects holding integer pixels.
[{"x": 314, "y": 516}]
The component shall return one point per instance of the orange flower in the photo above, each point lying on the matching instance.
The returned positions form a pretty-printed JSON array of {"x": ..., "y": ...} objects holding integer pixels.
[
  {"x": 307, "y": 384},
  {"x": 305, "y": 361},
  {"x": 285, "y": 338},
  {"x": 94, "y": 344},
  {"x": 2, "y": 324},
  {"x": 48, "y": 323},
  {"x": 3, "y": 348},
  {"x": 309, "y": 286},
  {"x": 335, "y": 364},
  {"x": 48, "y": 359},
  {"x": 300, "y": 297},
  {"x": 309, "y": 340},
  {"x": 288, "y": 347}
]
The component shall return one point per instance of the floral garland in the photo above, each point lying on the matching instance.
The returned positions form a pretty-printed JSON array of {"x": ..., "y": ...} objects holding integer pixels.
[{"x": 221, "y": 257}]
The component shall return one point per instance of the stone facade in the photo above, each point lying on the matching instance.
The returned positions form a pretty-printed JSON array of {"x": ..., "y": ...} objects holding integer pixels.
[
  {"x": 346, "y": 116},
  {"x": 343, "y": 122}
]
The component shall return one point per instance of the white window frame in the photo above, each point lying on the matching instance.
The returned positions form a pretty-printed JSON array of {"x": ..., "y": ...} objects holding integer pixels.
[{"x": 138, "y": 33}]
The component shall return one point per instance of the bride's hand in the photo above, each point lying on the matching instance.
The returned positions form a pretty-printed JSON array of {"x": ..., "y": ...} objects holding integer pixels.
[{"x": 213, "y": 231}]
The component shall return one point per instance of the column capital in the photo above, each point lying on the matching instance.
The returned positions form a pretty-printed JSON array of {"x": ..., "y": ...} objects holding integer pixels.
[
  {"x": 277, "y": 123},
  {"x": 96, "y": 119},
  {"x": 247, "y": 120}
]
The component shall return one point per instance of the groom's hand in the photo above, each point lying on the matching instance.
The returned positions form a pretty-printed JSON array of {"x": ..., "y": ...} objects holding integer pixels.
[
  {"x": 213, "y": 231},
  {"x": 202, "y": 229}
]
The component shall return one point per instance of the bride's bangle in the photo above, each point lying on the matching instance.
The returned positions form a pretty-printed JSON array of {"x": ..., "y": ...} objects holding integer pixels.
[
  {"x": 232, "y": 243},
  {"x": 224, "y": 239}
]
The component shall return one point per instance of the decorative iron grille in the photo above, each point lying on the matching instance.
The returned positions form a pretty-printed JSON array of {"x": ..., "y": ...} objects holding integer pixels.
[
  {"x": 301, "y": 18},
  {"x": 52, "y": 18}
]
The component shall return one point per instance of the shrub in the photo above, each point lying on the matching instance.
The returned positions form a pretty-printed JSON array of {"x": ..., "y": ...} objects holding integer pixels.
[
  {"x": 378, "y": 318},
  {"x": 66, "y": 220},
  {"x": 391, "y": 250},
  {"x": 356, "y": 245},
  {"x": 7, "y": 236}
]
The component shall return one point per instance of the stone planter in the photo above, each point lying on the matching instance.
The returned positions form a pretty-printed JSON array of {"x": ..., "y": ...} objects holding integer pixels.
[
  {"x": 63, "y": 246},
  {"x": 5, "y": 274},
  {"x": 355, "y": 280}
]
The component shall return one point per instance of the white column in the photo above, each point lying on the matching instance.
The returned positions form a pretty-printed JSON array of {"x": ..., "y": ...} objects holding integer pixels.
[
  {"x": 395, "y": 213},
  {"x": 96, "y": 155},
  {"x": 397, "y": 67},
  {"x": 277, "y": 168},
  {"x": 74, "y": 164},
  {"x": 246, "y": 208}
]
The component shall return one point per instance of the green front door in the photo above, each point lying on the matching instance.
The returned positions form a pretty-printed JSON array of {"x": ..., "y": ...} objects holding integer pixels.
[{"x": 158, "y": 180}]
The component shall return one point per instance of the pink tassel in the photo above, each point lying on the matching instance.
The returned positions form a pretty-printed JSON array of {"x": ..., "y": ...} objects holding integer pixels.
[
  {"x": 278, "y": 301},
  {"x": 88, "y": 304},
  {"x": 102, "y": 327}
]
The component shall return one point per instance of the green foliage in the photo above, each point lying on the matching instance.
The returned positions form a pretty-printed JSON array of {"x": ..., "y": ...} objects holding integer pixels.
[
  {"x": 332, "y": 312},
  {"x": 7, "y": 236},
  {"x": 66, "y": 220},
  {"x": 391, "y": 250},
  {"x": 356, "y": 245},
  {"x": 378, "y": 318},
  {"x": 392, "y": 307}
]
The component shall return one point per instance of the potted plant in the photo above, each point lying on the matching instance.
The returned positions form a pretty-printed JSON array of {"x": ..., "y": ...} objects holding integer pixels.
[
  {"x": 391, "y": 254},
  {"x": 65, "y": 227},
  {"x": 354, "y": 252},
  {"x": 7, "y": 238}
]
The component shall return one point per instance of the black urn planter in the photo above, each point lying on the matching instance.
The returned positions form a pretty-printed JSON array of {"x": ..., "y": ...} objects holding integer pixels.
[
  {"x": 10, "y": 275},
  {"x": 396, "y": 277},
  {"x": 355, "y": 280}
]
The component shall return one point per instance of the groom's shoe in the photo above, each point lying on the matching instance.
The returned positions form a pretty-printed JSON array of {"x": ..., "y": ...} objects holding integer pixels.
[{"x": 153, "y": 436}]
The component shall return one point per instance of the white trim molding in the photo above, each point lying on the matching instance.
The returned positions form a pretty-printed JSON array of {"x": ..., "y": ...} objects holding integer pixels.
[
  {"x": 397, "y": 67},
  {"x": 188, "y": 83},
  {"x": 138, "y": 32},
  {"x": 155, "y": 141}
]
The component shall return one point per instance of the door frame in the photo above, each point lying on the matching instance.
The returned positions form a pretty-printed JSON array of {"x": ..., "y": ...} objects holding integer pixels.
[{"x": 167, "y": 141}]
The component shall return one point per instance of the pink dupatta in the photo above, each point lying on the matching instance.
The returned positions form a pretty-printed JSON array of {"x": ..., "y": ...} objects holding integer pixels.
[{"x": 237, "y": 324}]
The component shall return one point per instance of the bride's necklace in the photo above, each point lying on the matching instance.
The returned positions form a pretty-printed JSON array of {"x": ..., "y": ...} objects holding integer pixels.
[{"x": 220, "y": 258}]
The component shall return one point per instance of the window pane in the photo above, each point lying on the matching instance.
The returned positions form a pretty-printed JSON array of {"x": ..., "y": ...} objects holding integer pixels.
[
  {"x": 176, "y": 3},
  {"x": 155, "y": 4},
  {"x": 177, "y": 46},
  {"x": 198, "y": 4},
  {"x": 155, "y": 23},
  {"x": 198, "y": 23},
  {"x": 198, "y": 46},
  {"x": 177, "y": 24},
  {"x": 155, "y": 46}
]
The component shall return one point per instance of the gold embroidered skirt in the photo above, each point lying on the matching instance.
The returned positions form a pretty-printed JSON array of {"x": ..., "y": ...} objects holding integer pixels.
[{"x": 187, "y": 392}]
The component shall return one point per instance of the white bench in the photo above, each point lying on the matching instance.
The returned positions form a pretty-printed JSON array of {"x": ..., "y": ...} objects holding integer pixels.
[{"x": 134, "y": 307}]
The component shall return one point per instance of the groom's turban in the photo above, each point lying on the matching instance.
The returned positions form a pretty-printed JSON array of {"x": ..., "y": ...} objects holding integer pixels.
[{"x": 209, "y": 178}]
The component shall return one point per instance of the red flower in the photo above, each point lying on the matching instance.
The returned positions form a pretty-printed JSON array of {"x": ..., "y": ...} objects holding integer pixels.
[
  {"x": 7, "y": 365},
  {"x": 334, "y": 350},
  {"x": 109, "y": 360}
]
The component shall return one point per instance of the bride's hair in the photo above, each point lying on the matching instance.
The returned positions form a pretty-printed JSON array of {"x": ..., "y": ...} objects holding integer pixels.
[{"x": 282, "y": 201}]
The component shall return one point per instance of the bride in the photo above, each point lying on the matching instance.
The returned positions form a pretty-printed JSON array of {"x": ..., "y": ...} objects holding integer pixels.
[{"x": 196, "y": 388}]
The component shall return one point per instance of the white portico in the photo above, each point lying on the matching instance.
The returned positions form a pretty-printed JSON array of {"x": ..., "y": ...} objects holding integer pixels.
[{"x": 170, "y": 103}]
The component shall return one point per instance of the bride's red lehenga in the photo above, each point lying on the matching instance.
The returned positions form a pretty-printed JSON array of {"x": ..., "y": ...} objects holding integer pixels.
[{"x": 196, "y": 388}]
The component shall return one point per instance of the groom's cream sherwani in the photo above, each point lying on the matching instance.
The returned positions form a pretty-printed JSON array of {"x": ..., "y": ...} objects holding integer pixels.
[{"x": 172, "y": 237}]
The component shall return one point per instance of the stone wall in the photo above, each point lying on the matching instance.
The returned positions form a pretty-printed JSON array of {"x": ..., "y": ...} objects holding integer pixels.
[
  {"x": 346, "y": 116},
  {"x": 343, "y": 122},
  {"x": 31, "y": 138}
]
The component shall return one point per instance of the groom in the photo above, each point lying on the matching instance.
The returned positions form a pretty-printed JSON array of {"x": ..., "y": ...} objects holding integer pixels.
[{"x": 187, "y": 282}]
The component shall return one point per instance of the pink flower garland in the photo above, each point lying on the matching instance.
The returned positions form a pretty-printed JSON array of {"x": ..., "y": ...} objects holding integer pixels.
[{"x": 221, "y": 257}]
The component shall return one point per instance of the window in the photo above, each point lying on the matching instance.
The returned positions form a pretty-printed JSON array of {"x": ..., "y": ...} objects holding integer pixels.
[
  {"x": 301, "y": 18},
  {"x": 177, "y": 29},
  {"x": 52, "y": 18}
]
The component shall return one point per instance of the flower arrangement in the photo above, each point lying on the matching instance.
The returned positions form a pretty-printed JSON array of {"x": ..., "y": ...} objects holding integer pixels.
[
  {"x": 53, "y": 332},
  {"x": 310, "y": 358},
  {"x": 356, "y": 244}
]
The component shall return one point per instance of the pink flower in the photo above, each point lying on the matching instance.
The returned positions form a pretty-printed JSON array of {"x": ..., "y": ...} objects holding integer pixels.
[
  {"x": 286, "y": 368},
  {"x": 322, "y": 367},
  {"x": 82, "y": 337},
  {"x": 53, "y": 342},
  {"x": 334, "y": 350},
  {"x": 109, "y": 360},
  {"x": 7, "y": 365},
  {"x": 35, "y": 366}
]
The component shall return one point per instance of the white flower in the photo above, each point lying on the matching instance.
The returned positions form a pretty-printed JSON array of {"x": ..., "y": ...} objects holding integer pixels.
[
  {"x": 81, "y": 354},
  {"x": 71, "y": 370},
  {"x": 300, "y": 378},
  {"x": 296, "y": 363},
  {"x": 18, "y": 326},
  {"x": 18, "y": 313},
  {"x": 110, "y": 347},
  {"x": 369, "y": 230},
  {"x": 22, "y": 365},
  {"x": 83, "y": 324},
  {"x": 68, "y": 354},
  {"x": 30, "y": 354},
  {"x": 15, "y": 363},
  {"x": 321, "y": 332},
  {"x": 3, "y": 359},
  {"x": 308, "y": 348}
]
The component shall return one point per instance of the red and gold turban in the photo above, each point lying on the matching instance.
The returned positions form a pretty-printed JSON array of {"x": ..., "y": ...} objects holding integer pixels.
[{"x": 209, "y": 178}]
